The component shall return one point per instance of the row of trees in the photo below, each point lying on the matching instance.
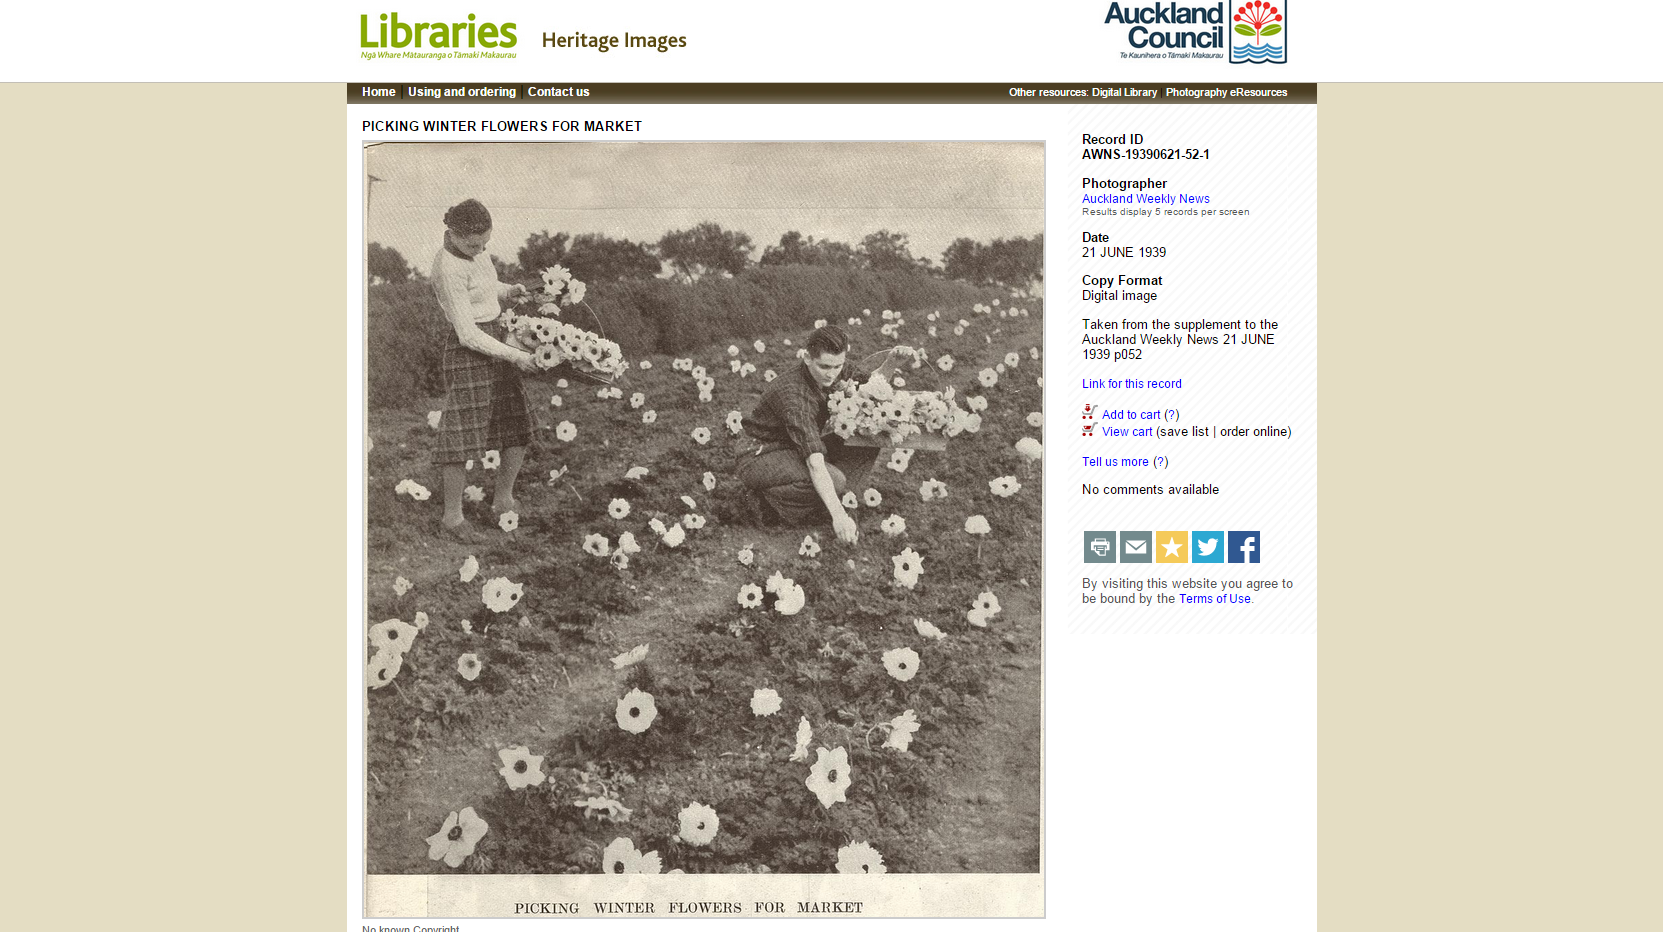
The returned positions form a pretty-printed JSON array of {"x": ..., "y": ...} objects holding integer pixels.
[{"x": 708, "y": 251}]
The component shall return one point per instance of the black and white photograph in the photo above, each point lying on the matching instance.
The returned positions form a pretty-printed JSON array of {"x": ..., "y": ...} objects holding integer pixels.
[{"x": 703, "y": 508}]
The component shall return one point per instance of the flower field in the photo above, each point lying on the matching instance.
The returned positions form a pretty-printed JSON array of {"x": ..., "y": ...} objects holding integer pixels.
[{"x": 636, "y": 674}]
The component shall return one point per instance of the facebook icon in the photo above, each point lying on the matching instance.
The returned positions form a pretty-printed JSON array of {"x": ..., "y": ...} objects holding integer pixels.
[{"x": 1243, "y": 547}]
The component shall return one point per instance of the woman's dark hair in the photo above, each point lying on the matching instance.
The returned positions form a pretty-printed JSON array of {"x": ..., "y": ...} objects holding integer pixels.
[
  {"x": 827, "y": 339},
  {"x": 469, "y": 218}
]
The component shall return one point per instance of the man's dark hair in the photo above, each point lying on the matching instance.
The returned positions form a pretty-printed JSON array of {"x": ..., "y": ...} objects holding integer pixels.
[{"x": 827, "y": 339}]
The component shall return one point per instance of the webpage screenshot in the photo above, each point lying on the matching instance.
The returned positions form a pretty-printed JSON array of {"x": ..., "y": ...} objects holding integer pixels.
[
  {"x": 724, "y": 495},
  {"x": 917, "y": 462}
]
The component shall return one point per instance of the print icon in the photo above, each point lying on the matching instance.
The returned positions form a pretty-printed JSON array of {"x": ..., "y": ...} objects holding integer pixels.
[
  {"x": 1172, "y": 547},
  {"x": 1099, "y": 547},
  {"x": 1208, "y": 546},
  {"x": 1244, "y": 547},
  {"x": 1135, "y": 548}
]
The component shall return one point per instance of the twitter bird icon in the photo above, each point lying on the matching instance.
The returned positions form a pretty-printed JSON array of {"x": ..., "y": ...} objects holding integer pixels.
[{"x": 1207, "y": 546}]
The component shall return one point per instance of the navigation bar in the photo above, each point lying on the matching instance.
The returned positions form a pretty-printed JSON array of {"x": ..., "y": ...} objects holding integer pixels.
[{"x": 1105, "y": 93}]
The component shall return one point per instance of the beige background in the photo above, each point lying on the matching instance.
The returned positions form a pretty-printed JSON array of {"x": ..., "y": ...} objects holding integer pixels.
[
  {"x": 176, "y": 380},
  {"x": 1489, "y": 648},
  {"x": 1489, "y": 699}
]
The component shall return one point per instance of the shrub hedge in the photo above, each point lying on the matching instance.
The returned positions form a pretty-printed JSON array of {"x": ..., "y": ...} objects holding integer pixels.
[{"x": 406, "y": 329}]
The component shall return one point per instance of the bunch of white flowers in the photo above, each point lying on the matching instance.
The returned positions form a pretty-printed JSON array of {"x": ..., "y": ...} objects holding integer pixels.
[
  {"x": 554, "y": 342},
  {"x": 878, "y": 409},
  {"x": 558, "y": 279}
]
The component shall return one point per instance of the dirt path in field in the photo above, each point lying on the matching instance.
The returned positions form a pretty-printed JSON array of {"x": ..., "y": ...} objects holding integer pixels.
[{"x": 993, "y": 811}]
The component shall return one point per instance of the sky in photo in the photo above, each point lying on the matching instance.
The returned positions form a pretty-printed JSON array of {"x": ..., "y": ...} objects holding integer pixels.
[{"x": 934, "y": 192}]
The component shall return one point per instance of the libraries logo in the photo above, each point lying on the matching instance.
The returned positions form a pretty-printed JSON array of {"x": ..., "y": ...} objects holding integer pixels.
[
  {"x": 387, "y": 35},
  {"x": 1259, "y": 34}
]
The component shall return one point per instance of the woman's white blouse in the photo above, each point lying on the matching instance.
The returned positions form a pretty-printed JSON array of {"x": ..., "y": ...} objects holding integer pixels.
[{"x": 468, "y": 291}]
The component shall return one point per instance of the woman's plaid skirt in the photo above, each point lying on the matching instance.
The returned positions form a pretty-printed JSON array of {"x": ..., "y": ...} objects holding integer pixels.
[{"x": 485, "y": 406}]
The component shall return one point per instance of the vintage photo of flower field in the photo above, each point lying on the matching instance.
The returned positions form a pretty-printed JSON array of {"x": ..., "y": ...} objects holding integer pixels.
[{"x": 598, "y": 637}]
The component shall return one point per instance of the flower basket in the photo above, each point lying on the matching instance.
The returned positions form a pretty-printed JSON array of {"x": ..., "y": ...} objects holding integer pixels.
[
  {"x": 562, "y": 348},
  {"x": 876, "y": 414}
]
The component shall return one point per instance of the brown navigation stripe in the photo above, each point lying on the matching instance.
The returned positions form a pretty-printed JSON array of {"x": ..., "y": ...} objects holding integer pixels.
[{"x": 1107, "y": 93}]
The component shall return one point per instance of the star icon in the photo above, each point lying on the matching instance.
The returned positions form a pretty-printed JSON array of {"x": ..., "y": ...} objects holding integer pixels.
[{"x": 1172, "y": 546}]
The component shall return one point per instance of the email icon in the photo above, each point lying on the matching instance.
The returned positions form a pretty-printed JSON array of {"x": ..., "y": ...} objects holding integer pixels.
[{"x": 1135, "y": 547}]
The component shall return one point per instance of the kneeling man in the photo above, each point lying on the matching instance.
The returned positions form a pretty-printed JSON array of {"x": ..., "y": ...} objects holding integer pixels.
[{"x": 799, "y": 468}]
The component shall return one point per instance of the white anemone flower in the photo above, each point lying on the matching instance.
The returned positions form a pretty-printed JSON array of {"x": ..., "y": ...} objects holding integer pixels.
[
  {"x": 456, "y": 838},
  {"x": 699, "y": 824},
  {"x": 1004, "y": 486},
  {"x": 765, "y": 702},
  {"x": 500, "y": 595},
  {"x": 901, "y": 729},
  {"x": 521, "y": 768},
  {"x": 620, "y": 857},
  {"x": 901, "y": 662},
  {"x": 791, "y": 600},
  {"x": 636, "y": 711},
  {"x": 828, "y": 779},
  {"x": 860, "y": 858}
]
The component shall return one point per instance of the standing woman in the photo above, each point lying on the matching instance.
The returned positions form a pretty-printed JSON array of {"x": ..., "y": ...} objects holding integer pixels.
[{"x": 485, "y": 403}]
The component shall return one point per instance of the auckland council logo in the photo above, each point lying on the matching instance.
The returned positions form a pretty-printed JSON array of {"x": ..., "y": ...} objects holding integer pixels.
[{"x": 1259, "y": 34}]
